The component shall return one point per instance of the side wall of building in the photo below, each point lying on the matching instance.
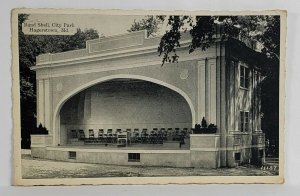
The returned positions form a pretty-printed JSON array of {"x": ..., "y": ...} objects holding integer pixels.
[{"x": 243, "y": 121}]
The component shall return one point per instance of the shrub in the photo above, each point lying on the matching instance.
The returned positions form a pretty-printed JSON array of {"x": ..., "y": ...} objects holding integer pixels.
[
  {"x": 204, "y": 129},
  {"x": 40, "y": 130}
]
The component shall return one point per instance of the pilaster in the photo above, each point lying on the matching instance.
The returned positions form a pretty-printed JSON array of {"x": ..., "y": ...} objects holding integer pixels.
[
  {"x": 201, "y": 90},
  {"x": 40, "y": 102}
]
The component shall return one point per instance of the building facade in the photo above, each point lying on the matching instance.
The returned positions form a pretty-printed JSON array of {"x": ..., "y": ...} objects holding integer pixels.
[{"x": 119, "y": 82}]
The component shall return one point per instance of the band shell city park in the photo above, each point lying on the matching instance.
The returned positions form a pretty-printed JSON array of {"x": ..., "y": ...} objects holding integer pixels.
[{"x": 148, "y": 92}]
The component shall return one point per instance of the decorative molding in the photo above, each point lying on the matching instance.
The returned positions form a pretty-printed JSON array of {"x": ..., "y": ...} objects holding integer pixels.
[
  {"x": 101, "y": 57},
  {"x": 120, "y": 67},
  {"x": 59, "y": 86},
  {"x": 184, "y": 74}
]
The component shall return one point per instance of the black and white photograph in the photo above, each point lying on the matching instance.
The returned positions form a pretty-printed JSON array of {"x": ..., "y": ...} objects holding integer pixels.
[{"x": 137, "y": 97}]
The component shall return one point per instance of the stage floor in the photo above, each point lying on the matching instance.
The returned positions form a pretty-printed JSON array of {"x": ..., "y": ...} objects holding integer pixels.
[{"x": 127, "y": 147}]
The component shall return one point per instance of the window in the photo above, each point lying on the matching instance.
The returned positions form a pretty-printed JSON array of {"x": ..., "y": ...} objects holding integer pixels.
[
  {"x": 244, "y": 77},
  {"x": 72, "y": 155},
  {"x": 133, "y": 157},
  {"x": 237, "y": 156},
  {"x": 261, "y": 153},
  {"x": 244, "y": 121}
]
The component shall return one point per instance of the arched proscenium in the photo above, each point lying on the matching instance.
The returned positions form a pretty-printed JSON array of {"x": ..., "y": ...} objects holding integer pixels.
[{"x": 110, "y": 77}]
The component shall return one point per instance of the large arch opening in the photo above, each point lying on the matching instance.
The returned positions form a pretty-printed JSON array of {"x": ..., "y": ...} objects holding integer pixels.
[
  {"x": 124, "y": 103},
  {"x": 56, "y": 132}
]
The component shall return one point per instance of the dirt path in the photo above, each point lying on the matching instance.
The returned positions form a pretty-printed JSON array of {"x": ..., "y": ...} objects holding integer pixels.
[{"x": 39, "y": 168}]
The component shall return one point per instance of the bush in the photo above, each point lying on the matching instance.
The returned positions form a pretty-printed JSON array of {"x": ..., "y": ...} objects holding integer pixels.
[
  {"x": 40, "y": 130},
  {"x": 204, "y": 129}
]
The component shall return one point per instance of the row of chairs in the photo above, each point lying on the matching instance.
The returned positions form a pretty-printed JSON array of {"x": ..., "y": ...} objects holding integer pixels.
[{"x": 155, "y": 136}]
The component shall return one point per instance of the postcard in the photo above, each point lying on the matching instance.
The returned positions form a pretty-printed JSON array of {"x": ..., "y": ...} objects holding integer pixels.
[{"x": 148, "y": 97}]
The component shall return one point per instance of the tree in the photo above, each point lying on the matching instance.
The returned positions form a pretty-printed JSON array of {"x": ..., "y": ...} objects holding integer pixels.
[
  {"x": 31, "y": 46},
  {"x": 270, "y": 85},
  {"x": 270, "y": 38},
  {"x": 264, "y": 29},
  {"x": 203, "y": 28},
  {"x": 149, "y": 23}
]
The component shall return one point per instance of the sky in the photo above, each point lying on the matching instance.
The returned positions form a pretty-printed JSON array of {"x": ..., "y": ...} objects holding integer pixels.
[{"x": 105, "y": 24}]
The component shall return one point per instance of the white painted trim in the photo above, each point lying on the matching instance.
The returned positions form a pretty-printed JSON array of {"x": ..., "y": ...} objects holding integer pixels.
[
  {"x": 37, "y": 146},
  {"x": 110, "y": 150},
  {"x": 204, "y": 135},
  {"x": 205, "y": 149},
  {"x": 238, "y": 147},
  {"x": 123, "y": 66},
  {"x": 110, "y": 77},
  {"x": 238, "y": 132}
]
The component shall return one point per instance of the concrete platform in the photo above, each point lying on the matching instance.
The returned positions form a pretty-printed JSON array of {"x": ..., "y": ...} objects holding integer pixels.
[{"x": 203, "y": 154}]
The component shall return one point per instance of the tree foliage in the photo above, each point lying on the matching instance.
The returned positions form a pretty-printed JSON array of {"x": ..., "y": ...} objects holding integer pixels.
[
  {"x": 149, "y": 23},
  {"x": 270, "y": 38},
  {"x": 31, "y": 46},
  {"x": 264, "y": 29}
]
